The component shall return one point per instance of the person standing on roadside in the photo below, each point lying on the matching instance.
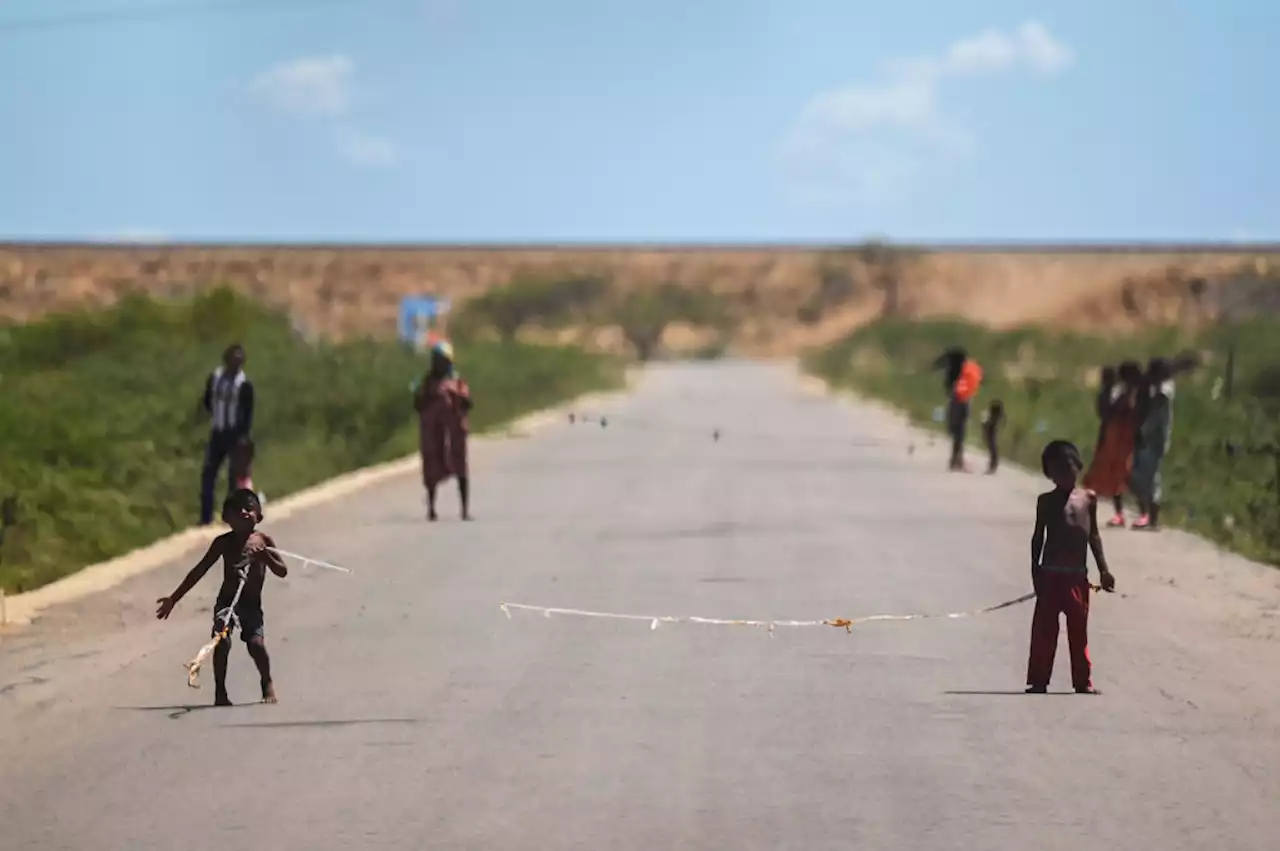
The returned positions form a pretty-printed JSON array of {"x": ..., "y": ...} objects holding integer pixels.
[
  {"x": 443, "y": 401},
  {"x": 1111, "y": 468},
  {"x": 228, "y": 399},
  {"x": 1155, "y": 431},
  {"x": 991, "y": 425},
  {"x": 962, "y": 379}
]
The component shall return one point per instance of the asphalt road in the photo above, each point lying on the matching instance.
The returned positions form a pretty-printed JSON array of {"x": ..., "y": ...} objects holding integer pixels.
[{"x": 413, "y": 715}]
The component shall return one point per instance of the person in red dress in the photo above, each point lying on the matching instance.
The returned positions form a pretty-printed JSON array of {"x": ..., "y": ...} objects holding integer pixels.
[
  {"x": 1112, "y": 463},
  {"x": 443, "y": 401}
]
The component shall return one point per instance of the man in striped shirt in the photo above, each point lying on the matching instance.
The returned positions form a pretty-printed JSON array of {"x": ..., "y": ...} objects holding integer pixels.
[{"x": 228, "y": 397}]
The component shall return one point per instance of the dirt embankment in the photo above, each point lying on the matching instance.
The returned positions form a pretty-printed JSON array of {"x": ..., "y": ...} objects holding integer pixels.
[{"x": 784, "y": 300}]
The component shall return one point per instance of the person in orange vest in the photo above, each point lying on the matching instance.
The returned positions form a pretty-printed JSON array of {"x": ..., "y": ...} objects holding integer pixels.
[{"x": 962, "y": 381}]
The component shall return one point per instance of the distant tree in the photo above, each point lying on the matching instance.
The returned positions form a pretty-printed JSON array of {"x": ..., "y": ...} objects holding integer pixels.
[
  {"x": 887, "y": 265},
  {"x": 644, "y": 315}
]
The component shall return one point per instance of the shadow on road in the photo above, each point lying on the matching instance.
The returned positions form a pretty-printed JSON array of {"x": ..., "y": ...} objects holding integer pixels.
[
  {"x": 182, "y": 709},
  {"x": 337, "y": 723},
  {"x": 1007, "y": 693}
]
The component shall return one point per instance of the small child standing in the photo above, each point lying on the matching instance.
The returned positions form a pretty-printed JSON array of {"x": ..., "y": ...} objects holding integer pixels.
[
  {"x": 242, "y": 456},
  {"x": 246, "y": 556},
  {"x": 991, "y": 423},
  {"x": 242, "y": 465},
  {"x": 1066, "y": 530}
]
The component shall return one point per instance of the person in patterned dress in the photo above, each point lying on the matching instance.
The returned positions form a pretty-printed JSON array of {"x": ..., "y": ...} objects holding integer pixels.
[{"x": 443, "y": 402}]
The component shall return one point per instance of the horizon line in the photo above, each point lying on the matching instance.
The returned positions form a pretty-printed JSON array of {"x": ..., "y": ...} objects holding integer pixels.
[{"x": 967, "y": 246}]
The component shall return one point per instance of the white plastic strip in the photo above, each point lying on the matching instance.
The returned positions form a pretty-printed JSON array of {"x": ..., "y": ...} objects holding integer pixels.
[
  {"x": 310, "y": 562},
  {"x": 846, "y": 623}
]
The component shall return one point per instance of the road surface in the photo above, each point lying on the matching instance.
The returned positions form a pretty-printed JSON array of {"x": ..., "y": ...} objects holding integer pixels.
[{"x": 415, "y": 716}]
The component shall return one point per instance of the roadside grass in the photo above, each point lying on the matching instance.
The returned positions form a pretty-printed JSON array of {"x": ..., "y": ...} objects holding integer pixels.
[
  {"x": 1222, "y": 475},
  {"x": 102, "y": 438}
]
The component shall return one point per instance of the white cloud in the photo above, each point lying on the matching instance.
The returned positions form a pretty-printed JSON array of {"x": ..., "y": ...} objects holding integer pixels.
[
  {"x": 320, "y": 87},
  {"x": 869, "y": 141},
  {"x": 310, "y": 86},
  {"x": 366, "y": 149},
  {"x": 1045, "y": 53}
]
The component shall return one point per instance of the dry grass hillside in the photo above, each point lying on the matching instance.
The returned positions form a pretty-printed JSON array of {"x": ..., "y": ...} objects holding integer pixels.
[{"x": 781, "y": 300}]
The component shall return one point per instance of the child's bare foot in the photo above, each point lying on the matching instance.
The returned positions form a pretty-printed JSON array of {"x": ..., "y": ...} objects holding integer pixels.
[{"x": 269, "y": 693}]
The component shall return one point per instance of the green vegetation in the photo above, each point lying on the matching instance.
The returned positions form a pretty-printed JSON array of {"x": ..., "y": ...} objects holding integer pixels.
[
  {"x": 1221, "y": 478},
  {"x": 545, "y": 302},
  {"x": 645, "y": 314},
  {"x": 550, "y": 303},
  {"x": 102, "y": 436}
]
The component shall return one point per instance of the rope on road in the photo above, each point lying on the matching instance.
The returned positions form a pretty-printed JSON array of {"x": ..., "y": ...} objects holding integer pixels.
[{"x": 771, "y": 625}]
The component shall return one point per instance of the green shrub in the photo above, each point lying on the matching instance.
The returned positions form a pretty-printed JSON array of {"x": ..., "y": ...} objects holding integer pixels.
[
  {"x": 102, "y": 437},
  {"x": 1220, "y": 479},
  {"x": 645, "y": 314}
]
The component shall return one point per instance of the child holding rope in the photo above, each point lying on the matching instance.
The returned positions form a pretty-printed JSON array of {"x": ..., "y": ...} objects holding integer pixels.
[
  {"x": 246, "y": 556},
  {"x": 1066, "y": 530}
]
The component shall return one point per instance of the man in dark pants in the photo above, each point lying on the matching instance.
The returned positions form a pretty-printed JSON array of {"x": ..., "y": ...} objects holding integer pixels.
[
  {"x": 952, "y": 363},
  {"x": 228, "y": 397}
]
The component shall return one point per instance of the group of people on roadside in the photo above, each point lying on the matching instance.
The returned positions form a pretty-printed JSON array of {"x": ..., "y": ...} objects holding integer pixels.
[
  {"x": 441, "y": 399},
  {"x": 1135, "y": 409},
  {"x": 1135, "y": 412}
]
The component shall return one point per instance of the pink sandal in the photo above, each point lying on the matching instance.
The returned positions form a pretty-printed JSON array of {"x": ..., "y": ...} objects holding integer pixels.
[
  {"x": 1142, "y": 522},
  {"x": 1116, "y": 521}
]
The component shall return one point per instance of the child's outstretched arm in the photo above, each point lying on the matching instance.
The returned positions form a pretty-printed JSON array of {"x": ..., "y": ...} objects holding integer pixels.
[
  {"x": 1037, "y": 544},
  {"x": 1095, "y": 544},
  {"x": 165, "y": 604}
]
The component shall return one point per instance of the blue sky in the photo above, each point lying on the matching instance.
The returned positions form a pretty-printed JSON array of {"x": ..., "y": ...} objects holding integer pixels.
[{"x": 662, "y": 121}]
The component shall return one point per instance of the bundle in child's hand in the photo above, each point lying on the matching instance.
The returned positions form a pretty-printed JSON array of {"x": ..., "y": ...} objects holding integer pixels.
[{"x": 193, "y": 667}]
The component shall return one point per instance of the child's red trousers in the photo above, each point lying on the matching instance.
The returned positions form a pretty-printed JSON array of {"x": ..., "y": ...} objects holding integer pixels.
[{"x": 1066, "y": 594}]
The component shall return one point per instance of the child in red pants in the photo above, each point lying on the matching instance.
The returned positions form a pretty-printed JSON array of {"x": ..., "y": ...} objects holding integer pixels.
[{"x": 1066, "y": 530}]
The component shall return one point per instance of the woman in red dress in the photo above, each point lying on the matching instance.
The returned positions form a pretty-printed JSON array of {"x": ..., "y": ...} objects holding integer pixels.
[
  {"x": 1113, "y": 457},
  {"x": 443, "y": 401}
]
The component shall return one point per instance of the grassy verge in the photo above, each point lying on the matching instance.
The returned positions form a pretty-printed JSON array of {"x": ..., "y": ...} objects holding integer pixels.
[
  {"x": 1220, "y": 479},
  {"x": 103, "y": 440}
]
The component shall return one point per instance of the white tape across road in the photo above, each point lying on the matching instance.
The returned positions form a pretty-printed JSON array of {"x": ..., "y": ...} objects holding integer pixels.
[{"x": 770, "y": 625}]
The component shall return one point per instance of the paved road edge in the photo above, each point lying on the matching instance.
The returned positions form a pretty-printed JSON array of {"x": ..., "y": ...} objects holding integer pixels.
[{"x": 20, "y": 609}]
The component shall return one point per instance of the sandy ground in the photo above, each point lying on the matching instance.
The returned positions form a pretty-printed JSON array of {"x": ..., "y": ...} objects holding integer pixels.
[
  {"x": 337, "y": 290},
  {"x": 414, "y": 715}
]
